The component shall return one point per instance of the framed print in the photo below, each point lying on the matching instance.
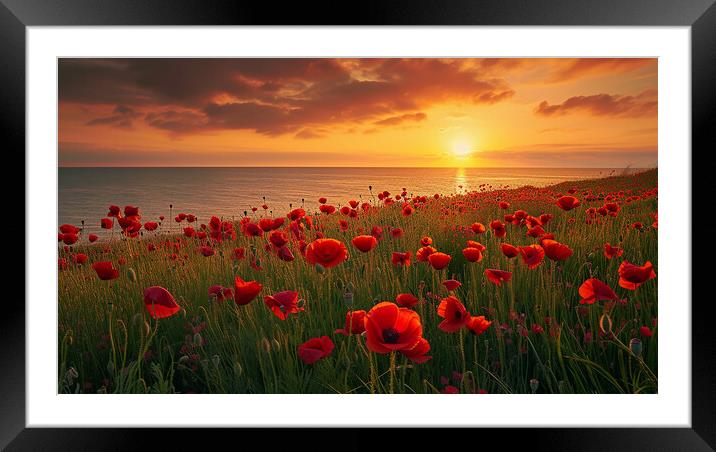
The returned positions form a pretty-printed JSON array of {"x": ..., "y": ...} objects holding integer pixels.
[{"x": 405, "y": 218}]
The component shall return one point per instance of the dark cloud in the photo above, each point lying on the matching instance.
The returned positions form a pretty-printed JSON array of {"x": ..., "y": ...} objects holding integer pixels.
[
  {"x": 121, "y": 117},
  {"x": 274, "y": 96},
  {"x": 644, "y": 104}
]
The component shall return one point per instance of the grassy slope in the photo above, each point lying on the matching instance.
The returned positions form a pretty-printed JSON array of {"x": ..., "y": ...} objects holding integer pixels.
[{"x": 107, "y": 337}]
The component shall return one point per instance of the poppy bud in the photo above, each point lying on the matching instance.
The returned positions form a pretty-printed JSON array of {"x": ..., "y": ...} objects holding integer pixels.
[
  {"x": 198, "y": 340},
  {"x": 636, "y": 347},
  {"x": 183, "y": 360},
  {"x": 320, "y": 269},
  {"x": 132, "y": 275},
  {"x": 136, "y": 319},
  {"x": 110, "y": 367},
  {"x": 238, "y": 369},
  {"x": 215, "y": 360},
  {"x": 266, "y": 345},
  {"x": 534, "y": 384},
  {"x": 276, "y": 344}
]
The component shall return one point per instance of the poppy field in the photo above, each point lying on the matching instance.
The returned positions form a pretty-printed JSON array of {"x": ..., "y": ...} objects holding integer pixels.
[{"x": 498, "y": 290}]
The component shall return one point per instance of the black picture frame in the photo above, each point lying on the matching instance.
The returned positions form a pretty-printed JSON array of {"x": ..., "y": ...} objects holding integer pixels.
[{"x": 699, "y": 15}]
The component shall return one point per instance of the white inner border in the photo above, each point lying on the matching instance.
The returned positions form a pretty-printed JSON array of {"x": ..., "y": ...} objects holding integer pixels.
[{"x": 670, "y": 407}]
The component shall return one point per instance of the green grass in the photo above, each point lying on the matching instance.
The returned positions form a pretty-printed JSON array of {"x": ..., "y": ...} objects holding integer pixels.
[{"x": 108, "y": 342}]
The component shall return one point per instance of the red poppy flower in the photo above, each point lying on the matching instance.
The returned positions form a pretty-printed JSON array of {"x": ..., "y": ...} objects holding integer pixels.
[
  {"x": 62, "y": 263},
  {"x": 567, "y": 202},
  {"x": 399, "y": 258},
  {"x": 595, "y": 290},
  {"x": 504, "y": 205},
  {"x": 498, "y": 229},
  {"x": 509, "y": 251},
  {"x": 498, "y": 276},
  {"x": 439, "y": 260},
  {"x": 159, "y": 302},
  {"x": 92, "y": 238},
  {"x": 327, "y": 209},
  {"x": 424, "y": 253},
  {"x": 406, "y": 300},
  {"x": 206, "y": 251},
  {"x": 632, "y": 276},
  {"x": 327, "y": 252},
  {"x": 555, "y": 250},
  {"x": 391, "y": 328},
  {"x": 245, "y": 291},
  {"x": 151, "y": 225},
  {"x": 283, "y": 303},
  {"x": 322, "y": 200},
  {"x": 315, "y": 349},
  {"x": 477, "y": 245},
  {"x": 105, "y": 271},
  {"x": 478, "y": 228},
  {"x": 535, "y": 231},
  {"x": 396, "y": 233},
  {"x": 107, "y": 223},
  {"x": 426, "y": 241},
  {"x": 478, "y": 325},
  {"x": 69, "y": 238},
  {"x": 451, "y": 284},
  {"x": 285, "y": 254},
  {"x": 417, "y": 354},
  {"x": 278, "y": 238},
  {"x": 612, "y": 251},
  {"x": 80, "y": 258},
  {"x": 221, "y": 293},
  {"x": 532, "y": 255},
  {"x": 131, "y": 211},
  {"x": 355, "y": 323},
  {"x": 472, "y": 254},
  {"x": 69, "y": 229},
  {"x": 364, "y": 243},
  {"x": 296, "y": 214},
  {"x": 454, "y": 313},
  {"x": 645, "y": 331},
  {"x": 113, "y": 211},
  {"x": 408, "y": 210},
  {"x": 545, "y": 218}
]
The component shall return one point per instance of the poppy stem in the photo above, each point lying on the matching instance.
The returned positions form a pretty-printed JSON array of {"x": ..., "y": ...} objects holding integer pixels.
[{"x": 392, "y": 372}]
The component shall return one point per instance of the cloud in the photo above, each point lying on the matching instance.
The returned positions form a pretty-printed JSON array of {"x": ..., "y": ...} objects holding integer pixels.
[
  {"x": 121, "y": 117},
  {"x": 644, "y": 104},
  {"x": 275, "y": 96},
  {"x": 573, "y": 69},
  {"x": 396, "y": 120}
]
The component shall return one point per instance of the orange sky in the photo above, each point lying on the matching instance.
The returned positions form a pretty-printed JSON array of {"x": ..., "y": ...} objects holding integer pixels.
[{"x": 358, "y": 112}]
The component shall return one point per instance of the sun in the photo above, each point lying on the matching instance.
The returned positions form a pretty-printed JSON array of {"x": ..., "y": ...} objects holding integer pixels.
[{"x": 461, "y": 150}]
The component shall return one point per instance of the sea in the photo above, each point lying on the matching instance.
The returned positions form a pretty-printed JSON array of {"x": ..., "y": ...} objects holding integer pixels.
[{"x": 84, "y": 194}]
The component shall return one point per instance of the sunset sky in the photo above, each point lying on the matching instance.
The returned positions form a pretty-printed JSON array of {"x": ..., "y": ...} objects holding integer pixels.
[{"x": 358, "y": 112}]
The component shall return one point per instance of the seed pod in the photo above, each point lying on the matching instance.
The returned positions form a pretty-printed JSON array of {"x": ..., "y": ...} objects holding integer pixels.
[
  {"x": 348, "y": 299},
  {"x": 320, "y": 269},
  {"x": 534, "y": 385},
  {"x": 635, "y": 346}
]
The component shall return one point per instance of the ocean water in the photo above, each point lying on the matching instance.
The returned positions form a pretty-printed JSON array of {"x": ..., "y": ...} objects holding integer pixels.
[{"x": 86, "y": 193}]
